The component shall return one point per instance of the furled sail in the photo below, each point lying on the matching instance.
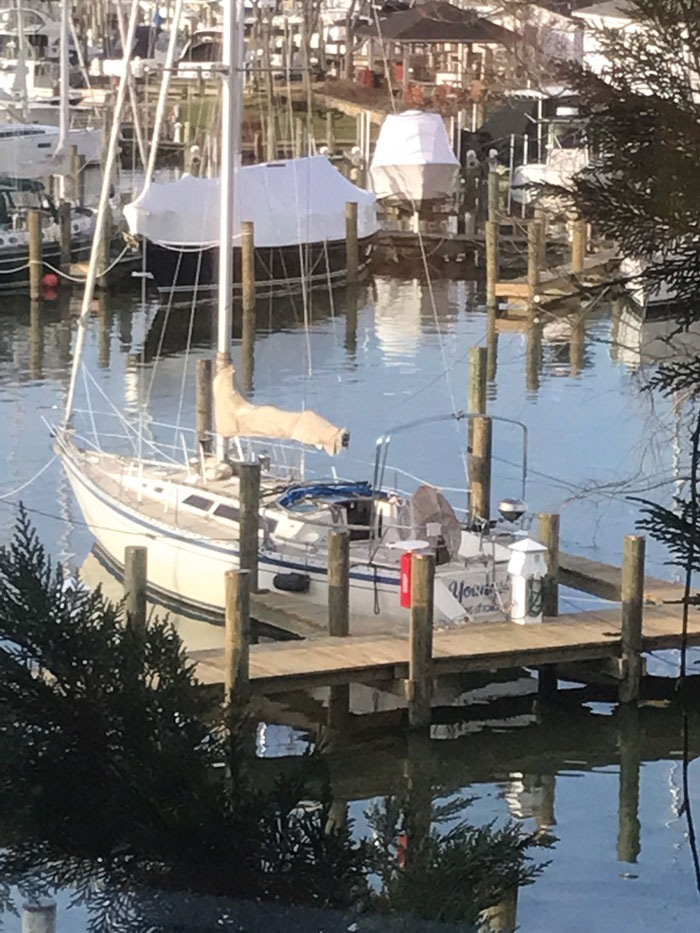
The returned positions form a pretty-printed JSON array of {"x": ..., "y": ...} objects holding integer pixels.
[{"x": 236, "y": 416}]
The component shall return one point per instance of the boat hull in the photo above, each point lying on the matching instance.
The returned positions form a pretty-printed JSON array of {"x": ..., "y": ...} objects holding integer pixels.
[
  {"x": 190, "y": 569},
  {"x": 278, "y": 270},
  {"x": 14, "y": 262}
]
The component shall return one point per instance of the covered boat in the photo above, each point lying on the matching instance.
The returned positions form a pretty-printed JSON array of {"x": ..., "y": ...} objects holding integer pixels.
[
  {"x": 413, "y": 160},
  {"x": 296, "y": 205}
]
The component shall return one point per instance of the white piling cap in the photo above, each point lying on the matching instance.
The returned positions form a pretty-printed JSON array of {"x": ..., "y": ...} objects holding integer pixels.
[{"x": 527, "y": 558}]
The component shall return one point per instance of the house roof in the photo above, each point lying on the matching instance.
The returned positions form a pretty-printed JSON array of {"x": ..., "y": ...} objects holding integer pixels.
[{"x": 437, "y": 21}]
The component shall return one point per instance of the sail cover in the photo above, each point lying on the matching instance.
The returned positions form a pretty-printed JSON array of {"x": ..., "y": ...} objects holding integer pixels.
[
  {"x": 290, "y": 202},
  {"x": 413, "y": 158},
  {"x": 237, "y": 417}
]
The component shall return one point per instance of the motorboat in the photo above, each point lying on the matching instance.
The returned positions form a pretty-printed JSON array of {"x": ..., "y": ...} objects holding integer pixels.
[
  {"x": 413, "y": 161},
  {"x": 297, "y": 207}
]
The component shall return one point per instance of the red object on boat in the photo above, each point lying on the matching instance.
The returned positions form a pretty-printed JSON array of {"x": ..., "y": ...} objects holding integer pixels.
[
  {"x": 49, "y": 280},
  {"x": 406, "y": 559}
]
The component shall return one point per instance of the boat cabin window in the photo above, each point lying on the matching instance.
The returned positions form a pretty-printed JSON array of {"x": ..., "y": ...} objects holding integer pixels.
[
  {"x": 198, "y": 502},
  {"x": 228, "y": 512}
]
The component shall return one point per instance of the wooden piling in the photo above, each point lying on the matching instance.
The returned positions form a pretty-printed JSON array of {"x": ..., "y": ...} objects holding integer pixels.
[
  {"x": 36, "y": 341},
  {"x": 66, "y": 229},
  {"x": 75, "y": 174},
  {"x": 632, "y": 615},
  {"x": 204, "y": 404},
  {"x": 541, "y": 218},
  {"x": 549, "y": 536},
  {"x": 237, "y": 637},
  {"x": 339, "y": 582},
  {"x": 578, "y": 246},
  {"x": 420, "y": 668},
  {"x": 35, "y": 259},
  {"x": 104, "y": 251},
  {"x": 492, "y": 263},
  {"x": 547, "y": 680},
  {"x": 480, "y": 470},
  {"x": 352, "y": 247},
  {"x": 533, "y": 353},
  {"x": 248, "y": 266},
  {"x": 135, "y": 580},
  {"x": 534, "y": 235},
  {"x": 249, "y": 522},
  {"x": 493, "y": 196}
]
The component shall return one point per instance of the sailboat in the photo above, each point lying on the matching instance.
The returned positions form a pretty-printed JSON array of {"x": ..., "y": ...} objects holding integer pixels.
[{"x": 184, "y": 504}]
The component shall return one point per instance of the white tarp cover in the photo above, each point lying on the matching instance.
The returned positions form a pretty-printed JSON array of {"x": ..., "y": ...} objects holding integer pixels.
[
  {"x": 237, "y": 417},
  {"x": 559, "y": 169},
  {"x": 290, "y": 202},
  {"x": 410, "y": 147}
]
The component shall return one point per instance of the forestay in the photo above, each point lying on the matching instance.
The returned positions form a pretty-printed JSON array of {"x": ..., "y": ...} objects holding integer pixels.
[{"x": 290, "y": 202}]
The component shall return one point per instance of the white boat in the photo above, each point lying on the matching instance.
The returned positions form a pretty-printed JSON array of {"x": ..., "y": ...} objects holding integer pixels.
[
  {"x": 28, "y": 150},
  {"x": 413, "y": 160},
  {"x": 558, "y": 170},
  {"x": 297, "y": 207},
  {"x": 183, "y": 504}
]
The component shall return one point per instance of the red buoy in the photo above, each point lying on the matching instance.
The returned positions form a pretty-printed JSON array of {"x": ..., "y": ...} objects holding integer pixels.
[{"x": 49, "y": 280}]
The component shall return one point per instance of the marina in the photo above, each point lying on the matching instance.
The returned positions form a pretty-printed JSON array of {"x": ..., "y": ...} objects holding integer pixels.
[{"x": 392, "y": 492}]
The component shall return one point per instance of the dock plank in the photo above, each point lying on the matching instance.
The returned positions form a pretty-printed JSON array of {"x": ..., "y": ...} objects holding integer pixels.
[{"x": 472, "y": 647}]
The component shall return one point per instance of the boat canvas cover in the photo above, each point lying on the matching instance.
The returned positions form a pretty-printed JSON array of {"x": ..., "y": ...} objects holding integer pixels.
[
  {"x": 237, "y": 417},
  {"x": 290, "y": 202},
  {"x": 413, "y": 158}
]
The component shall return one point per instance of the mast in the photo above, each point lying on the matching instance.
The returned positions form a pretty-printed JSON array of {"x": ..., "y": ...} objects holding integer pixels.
[
  {"x": 19, "y": 85},
  {"x": 231, "y": 104},
  {"x": 163, "y": 95},
  {"x": 107, "y": 175}
]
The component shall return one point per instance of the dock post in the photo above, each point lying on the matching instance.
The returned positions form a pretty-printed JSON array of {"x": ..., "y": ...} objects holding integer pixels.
[
  {"x": 237, "y": 634},
  {"x": 480, "y": 471},
  {"x": 339, "y": 582},
  {"x": 75, "y": 173},
  {"x": 204, "y": 404},
  {"x": 533, "y": 353},
  {"x": 135, "y": 579},
  {"x": 35, "y": 261},
  {"x": 39, "y": 918},
  {"x": 338, "y": 617},
  {"x": 632, "y": 615},
  {"x": 420, "y": 669},
  {"x": 541, "y": 218},
  {"x": 493, "y": 195},
  {"x": 578, "y": 246},
  {"x": 249, "y": 498},
  {"x": 105, "y": 248},
  {"x": 629, "y": 740},
  {"x": 534, "y": 235},
  {"x": 549, "y": 536},
  {"x": 492, "y": 263},
  {"x": 352, "y": 247},
  {"x": 248, "y": 266},
  {"x": 66, "y": 229}
]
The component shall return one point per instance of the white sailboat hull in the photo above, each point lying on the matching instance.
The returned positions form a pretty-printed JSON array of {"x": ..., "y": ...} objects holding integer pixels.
[{"x": 190, "y": 568}]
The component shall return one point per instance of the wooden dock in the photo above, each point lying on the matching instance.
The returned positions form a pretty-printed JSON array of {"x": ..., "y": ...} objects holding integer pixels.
[
  {"x": 487, "y": 646},
  {"x": 559, "y": 282}
]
